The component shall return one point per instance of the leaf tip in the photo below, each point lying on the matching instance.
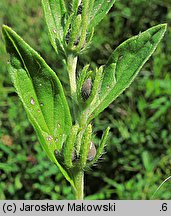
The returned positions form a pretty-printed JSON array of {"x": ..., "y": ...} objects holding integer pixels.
[
  {"x": 5, "y": 27},
  {"x": 162, "y": 27},
  {"x": 108, "y": 129},
  {"x": 5, "y": 30}
]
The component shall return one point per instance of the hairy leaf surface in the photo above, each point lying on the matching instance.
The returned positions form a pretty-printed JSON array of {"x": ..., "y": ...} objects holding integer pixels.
[
  {"x": 128, "y": 58},
  {"x": 54, "y": 12},
  {"x": 41, "y": 94},
  {"x": 100, "y": 9}
]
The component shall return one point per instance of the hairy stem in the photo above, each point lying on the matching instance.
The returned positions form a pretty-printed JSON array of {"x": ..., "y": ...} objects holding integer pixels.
[
  {"x": 79, "y": 183},
  {"x": 71, "y": 68},
  {"x": 78, "y": 174}
]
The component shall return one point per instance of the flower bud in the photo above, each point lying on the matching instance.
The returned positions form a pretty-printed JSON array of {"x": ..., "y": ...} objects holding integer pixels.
[
  {"x": 73, "y": 155},
  {"x": 92, "y": 152},
  {"x": 86, "y": 89}
]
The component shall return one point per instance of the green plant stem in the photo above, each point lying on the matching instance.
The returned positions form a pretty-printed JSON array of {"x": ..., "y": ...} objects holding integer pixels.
[
  {"x": 71, "y": 68},
  {"x": 78, "y": 175}
]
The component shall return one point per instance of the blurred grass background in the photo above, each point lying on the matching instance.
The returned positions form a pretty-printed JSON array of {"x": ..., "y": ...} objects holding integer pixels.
[{"x": 138, "y": 153}]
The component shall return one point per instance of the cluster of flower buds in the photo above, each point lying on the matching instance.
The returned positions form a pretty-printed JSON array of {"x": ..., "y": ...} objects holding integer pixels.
[
  {"x": 79, "y": 148},
  {"x": 71, "y": 23},
  {"x": 76, "y": 34}
]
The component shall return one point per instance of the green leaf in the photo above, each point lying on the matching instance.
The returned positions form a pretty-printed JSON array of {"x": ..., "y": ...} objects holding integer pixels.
[
  {"x": 55, "y": 12},
  {"x": 129, "y": 58},
  {"x": 84, "y": 24},
  {"x": 85, "y": 145},
  {"x": 41, "y": 94},
  {"x": 75, "y": 4},
  {"x": 96, "y": 86},
  {"x": 109, "y": 80},
  {"x": 74, "y": 32},
  {"x": 69, "y": 146},
  {"x": 100, "y": 9}
]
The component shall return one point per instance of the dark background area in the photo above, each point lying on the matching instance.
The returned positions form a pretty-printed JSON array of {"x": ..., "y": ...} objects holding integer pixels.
[{"x": 138, "y": 153}]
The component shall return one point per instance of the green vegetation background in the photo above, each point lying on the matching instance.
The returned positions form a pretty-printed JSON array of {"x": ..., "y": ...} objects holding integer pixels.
[{"x": 138, "y": 153}]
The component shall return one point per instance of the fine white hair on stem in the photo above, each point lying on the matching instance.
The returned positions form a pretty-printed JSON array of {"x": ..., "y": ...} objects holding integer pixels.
[{"x": 167, "y": 179}]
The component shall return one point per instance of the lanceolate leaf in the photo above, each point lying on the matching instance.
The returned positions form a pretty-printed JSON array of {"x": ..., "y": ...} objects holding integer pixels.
[
  {"x": 85, "y": 145},
  {"x": 100, "y": 9},
  {"x": 41, "y": 94},
  {"x": 69, "y": 147},
  {"x": 55, "y": 11},
  {"x": 129, "y": 58}
]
